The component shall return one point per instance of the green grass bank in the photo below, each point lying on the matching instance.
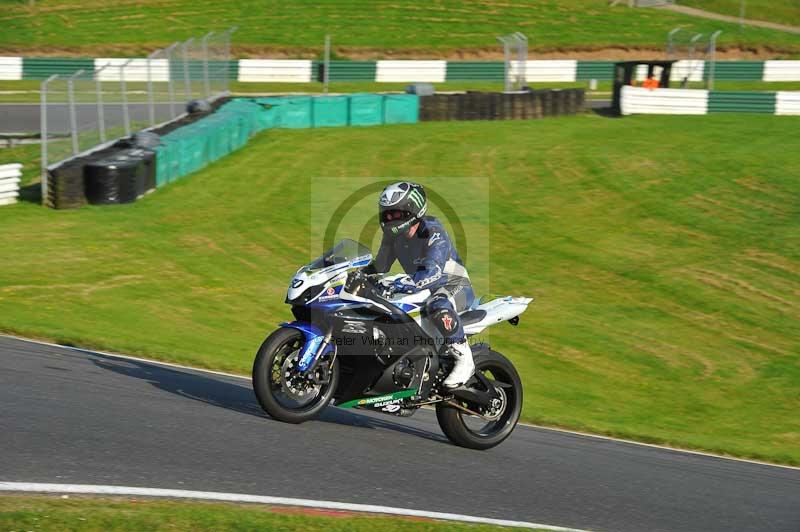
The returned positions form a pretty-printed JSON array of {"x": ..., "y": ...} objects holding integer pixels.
[
  {"x": 358, "y": 27},
  {"x": 664, "y": 253}
]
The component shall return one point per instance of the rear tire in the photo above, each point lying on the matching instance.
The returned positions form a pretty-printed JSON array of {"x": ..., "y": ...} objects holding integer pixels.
[
  {"x": 273, "y": 358},
  {"x": 452, "y": 420}
]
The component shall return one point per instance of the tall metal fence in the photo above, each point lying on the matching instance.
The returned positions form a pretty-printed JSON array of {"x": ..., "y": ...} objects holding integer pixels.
[{"x": 97, "y": 105}]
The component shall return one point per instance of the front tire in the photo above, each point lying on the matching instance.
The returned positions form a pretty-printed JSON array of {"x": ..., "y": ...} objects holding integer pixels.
[
  {"x": 457, "y": 424},
  {"x": 284, "y": 393}
]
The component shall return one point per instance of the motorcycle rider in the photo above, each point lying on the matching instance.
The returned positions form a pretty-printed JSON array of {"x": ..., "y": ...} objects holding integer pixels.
[{"x": 424, "y": 249}]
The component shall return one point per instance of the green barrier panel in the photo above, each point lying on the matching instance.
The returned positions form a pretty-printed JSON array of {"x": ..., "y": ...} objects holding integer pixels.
[
  {"x": 191, "y": 147},
  {"x": 216, "y": 130},
  {"x": 401, "y": 109},
  {"x": 741, "y": 102},
  {"x": 195, "y": 145},
  {"x": 270, "y": 100},
  {"x": 330, "y": 111},
  {"x": 162, "y": 165},
  {"x": 173, "y": 160},
  {"x": 599, "y": 70},
  {"x": 253, "y": 112},
  {"x": 271, "y": 115},
  {"x": 350, "y": 71},
  {"x": 44, "y": 67},
  {"x": 366, "y": 109},
  {"x": 269, "y": 118},
  {"x": 296, "y": 112},
  {"x": 475, "y": 70},
  {"x": 736, "y": 70}
]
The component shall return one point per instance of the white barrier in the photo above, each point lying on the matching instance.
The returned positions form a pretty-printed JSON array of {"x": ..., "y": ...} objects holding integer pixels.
[
  {"x": 638, "y": 100},
  {"x": 279, "y": 70},
  {"x": 136, "y": 70},
  {"x": 556, "y": 70},
  {"x": 787, "y": 103},
  {"x": 781, "y": 70},
  {"x": 10, "y": 68},
  {"x": 693, "y": 69},
  {"x": 400, "y": 71},
  {"x": 10, "y": 175}
]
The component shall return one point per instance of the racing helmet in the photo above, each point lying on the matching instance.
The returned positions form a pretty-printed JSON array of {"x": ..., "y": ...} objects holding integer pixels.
[{"x": 401, "y": 205}]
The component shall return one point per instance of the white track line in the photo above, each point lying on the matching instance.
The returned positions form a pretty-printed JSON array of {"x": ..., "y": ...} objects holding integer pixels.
[
  {"x": 263, "y": 499},
  {"x": 529, "y": 425}
]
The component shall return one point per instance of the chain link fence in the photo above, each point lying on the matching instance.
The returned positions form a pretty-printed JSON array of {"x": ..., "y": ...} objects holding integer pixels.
[{"x": 92, "y": 108}]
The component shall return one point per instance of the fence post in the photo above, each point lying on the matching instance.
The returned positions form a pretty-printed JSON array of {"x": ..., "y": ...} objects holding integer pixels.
[
  {"x": 506, "y": 65},
  {"x": 186, "y": 76},
  {"x": 692, "y": 44},
  {"x": 712, "y": 49},
  {"x": 73, "y": 119},
  {"x": 206, "y": 83},
  {"x": 326, "y": 67},
  {"x": 168, "y": 51},
  {"x": 101, "y": 119},
  {"x": 151, "y": 105},
  {"x": 43, "y": 133},
  {"x": 671, "y": 42},
  {"x": 741, "y": 14},
  {"x": 522, "y": 55},
  {"x": 126, "y": 119},
  {"x": 230, "y": 33}
]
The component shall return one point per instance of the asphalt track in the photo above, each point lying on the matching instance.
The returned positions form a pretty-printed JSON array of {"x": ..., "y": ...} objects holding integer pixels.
[
  {"x": 78, "y": 417},
  {"x": 26, "y": 117}
]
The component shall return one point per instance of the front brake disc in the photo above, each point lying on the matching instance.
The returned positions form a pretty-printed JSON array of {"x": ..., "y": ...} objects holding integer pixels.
[{"x": 296, "y": 386}]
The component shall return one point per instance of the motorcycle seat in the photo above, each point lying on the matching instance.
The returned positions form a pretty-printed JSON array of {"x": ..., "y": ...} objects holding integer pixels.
[{"x": 471, "y": 316}]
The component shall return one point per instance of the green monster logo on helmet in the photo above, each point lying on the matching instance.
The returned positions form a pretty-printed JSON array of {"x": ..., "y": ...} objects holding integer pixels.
[{"x": 416, "y": 196}]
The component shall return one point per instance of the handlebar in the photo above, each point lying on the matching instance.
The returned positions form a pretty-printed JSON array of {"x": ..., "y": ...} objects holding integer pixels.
[{"x": 360, "y": 284}]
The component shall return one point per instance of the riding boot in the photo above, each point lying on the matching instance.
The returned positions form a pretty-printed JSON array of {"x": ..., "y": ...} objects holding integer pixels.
[{"x": 464, "y": 366}]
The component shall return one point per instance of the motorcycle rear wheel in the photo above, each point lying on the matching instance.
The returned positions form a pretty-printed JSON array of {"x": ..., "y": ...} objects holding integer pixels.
[
  {"x": 284, "y": 393},
  {"x": 457, "y": 425}
]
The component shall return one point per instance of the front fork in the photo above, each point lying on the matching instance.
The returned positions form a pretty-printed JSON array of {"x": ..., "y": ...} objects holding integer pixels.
[{"x": 317, "y": 344}]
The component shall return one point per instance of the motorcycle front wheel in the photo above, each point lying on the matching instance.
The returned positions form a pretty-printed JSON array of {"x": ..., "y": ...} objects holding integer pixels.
[
  {"x": 474, "y": 432},
  {"x": 285, "y": 393}
]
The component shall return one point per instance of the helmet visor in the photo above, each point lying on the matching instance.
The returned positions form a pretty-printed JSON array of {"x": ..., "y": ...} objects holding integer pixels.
[{"x": 395, "y": 216}]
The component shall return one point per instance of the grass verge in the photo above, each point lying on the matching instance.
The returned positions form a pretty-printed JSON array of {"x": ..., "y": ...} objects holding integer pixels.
[
  {"x": 383, "y": 26},
  {"x": 42, "y": 513},
  {"x": 780, "y": 11},
  {"x": 664, "y": 252}
]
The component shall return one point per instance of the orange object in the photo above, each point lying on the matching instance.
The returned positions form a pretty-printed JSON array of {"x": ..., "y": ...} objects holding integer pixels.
[{"x": 650, "y": 83}]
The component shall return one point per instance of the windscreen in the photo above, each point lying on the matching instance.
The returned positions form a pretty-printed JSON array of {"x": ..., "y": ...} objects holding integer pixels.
[{"x": 345, "y": 251}]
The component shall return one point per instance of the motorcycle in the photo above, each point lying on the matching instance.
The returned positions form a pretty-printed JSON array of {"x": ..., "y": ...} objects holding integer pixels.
[{"x": 355, "y": 344}]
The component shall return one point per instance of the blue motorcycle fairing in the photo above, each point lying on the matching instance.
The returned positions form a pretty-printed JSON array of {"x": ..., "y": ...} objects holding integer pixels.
[{"x": 314, "y": 337}]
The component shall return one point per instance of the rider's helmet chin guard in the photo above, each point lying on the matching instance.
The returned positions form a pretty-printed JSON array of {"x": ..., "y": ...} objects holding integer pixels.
[{"x": 401, "y": 205}]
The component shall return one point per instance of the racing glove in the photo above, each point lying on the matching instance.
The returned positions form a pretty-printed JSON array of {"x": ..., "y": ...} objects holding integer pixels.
[{"x": 403, "y": 285}]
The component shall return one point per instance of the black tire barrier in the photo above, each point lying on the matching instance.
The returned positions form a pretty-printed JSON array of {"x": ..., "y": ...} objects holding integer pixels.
[
  {"x": 149, "y": 162},
  {"x": 528, "y": 105},
  {"x": 120, "y": 178},
  {"x": 65, "y": 186}
]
